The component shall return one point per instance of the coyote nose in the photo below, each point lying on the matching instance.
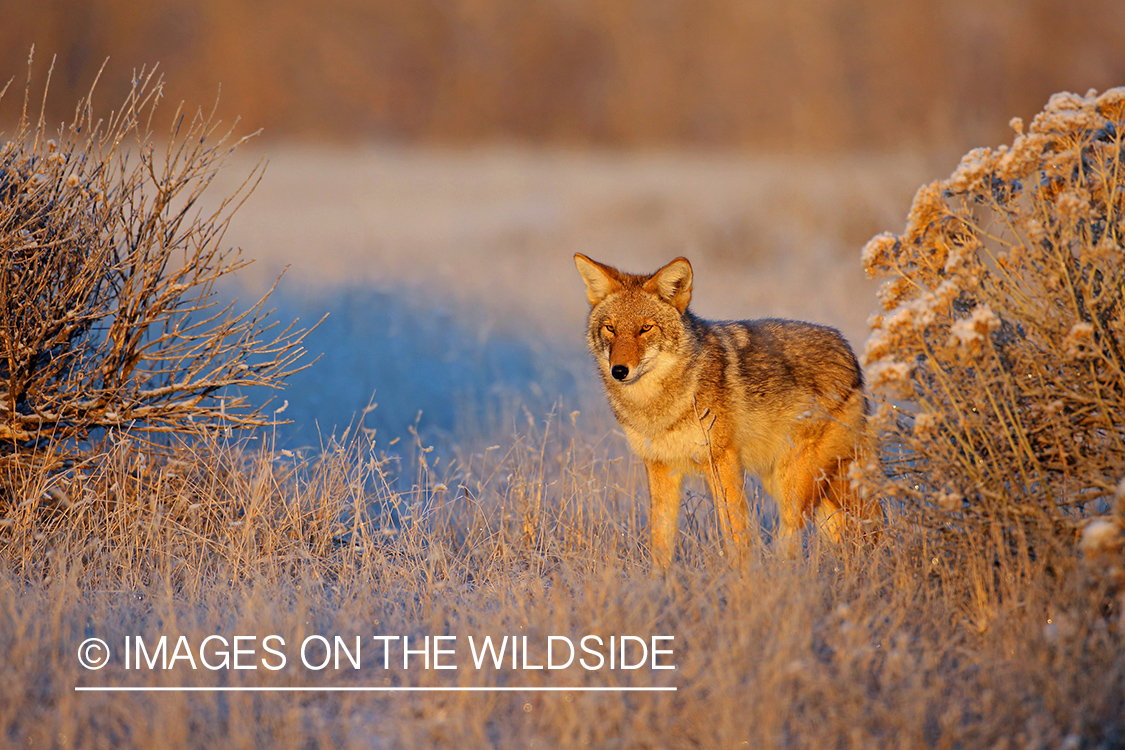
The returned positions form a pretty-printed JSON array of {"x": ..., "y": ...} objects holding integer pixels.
[{"x": 619, "y": 372}]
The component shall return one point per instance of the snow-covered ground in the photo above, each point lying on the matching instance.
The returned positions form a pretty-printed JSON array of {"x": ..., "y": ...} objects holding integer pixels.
[{"x": 448, "y": 274}]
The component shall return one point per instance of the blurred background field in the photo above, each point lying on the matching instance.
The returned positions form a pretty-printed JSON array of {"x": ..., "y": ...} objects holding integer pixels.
[
  {"x": 821, "y": 75},
  {"x": 434, "y": 165}
]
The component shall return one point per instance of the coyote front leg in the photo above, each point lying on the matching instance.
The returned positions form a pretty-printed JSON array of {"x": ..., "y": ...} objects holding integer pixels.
[{"x": 664, "y": 509}]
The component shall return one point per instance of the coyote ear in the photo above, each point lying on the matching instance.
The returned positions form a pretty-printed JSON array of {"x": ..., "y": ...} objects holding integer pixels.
[
  {"x": 672, "y": 283},
  {"x": 601, "y": 280}
]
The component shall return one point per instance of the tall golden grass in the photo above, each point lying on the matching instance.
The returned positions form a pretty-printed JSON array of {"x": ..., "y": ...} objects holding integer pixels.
[{"x": 843, "y": 647}]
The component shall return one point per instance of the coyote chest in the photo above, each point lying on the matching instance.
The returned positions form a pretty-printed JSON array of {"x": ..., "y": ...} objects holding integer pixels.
[{"x": 679, "y": 441}]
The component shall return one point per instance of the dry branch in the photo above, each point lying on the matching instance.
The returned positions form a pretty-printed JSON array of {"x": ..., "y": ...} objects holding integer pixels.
[{"x": 109, "y": 258}]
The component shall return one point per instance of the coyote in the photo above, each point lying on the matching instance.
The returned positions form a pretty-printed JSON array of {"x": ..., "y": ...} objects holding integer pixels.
[{"x": 780, "y": 398}]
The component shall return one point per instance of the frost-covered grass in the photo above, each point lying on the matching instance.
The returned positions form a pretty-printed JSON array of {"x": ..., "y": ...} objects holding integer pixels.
[{"x": 859, "y": 646}]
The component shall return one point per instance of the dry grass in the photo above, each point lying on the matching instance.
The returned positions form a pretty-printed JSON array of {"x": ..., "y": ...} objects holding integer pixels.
[{"x": 845, "y": 647}]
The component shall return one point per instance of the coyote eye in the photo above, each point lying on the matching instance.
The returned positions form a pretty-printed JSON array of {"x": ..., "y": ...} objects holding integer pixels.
[{"x": 646, "y": 327}]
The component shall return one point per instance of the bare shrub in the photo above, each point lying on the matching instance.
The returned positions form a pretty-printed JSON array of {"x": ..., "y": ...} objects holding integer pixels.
[
  {"x": 108, "y": 266},
  {"x": 998, "y": 359}
]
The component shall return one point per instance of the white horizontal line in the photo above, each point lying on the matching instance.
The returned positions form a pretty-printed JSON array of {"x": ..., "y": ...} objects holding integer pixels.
[{"x": 364, "y": 689}]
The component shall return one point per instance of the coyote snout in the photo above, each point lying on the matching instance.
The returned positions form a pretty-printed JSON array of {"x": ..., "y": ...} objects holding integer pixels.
[
  {"x": 627, "y": 350},
  {"x": 780, "y": 398}
]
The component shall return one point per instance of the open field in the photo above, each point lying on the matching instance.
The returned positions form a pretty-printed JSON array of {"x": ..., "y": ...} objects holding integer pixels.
[
  {"x": 450, "y": 284},
  {"x": 450, "y": 272}
]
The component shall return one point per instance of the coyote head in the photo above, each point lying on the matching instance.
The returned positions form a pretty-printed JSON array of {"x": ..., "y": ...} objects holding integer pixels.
[{"x": 634, "y": 318}]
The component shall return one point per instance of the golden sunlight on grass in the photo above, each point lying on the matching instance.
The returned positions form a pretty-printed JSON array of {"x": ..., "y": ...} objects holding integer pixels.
[{"x": 850, "y": 646}]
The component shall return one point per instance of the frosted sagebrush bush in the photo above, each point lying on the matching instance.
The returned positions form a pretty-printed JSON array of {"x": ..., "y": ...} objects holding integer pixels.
[
  {"x": 1102, "y": 545},
  {"x": 108, "y": 263},
  {"x": 998, "y": 358}
]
